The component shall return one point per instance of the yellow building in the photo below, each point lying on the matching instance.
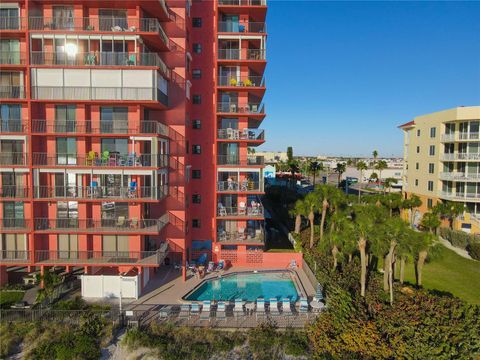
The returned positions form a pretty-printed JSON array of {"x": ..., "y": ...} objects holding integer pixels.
[{"x": 442, "y": 161}]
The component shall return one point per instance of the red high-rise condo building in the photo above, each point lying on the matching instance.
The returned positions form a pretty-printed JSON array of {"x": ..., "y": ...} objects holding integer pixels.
[{"x": 125, "y": 137}]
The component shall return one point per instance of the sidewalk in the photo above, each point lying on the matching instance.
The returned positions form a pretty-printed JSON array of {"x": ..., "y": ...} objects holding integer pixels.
[{"x": 448, "y": 245}]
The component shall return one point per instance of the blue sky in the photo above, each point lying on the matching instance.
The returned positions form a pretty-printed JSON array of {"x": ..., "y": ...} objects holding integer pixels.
[{"x": 342, "y": 76}]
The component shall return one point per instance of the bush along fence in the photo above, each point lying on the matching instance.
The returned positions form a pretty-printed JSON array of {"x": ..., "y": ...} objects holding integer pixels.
[{"x": 462, "y": 240}]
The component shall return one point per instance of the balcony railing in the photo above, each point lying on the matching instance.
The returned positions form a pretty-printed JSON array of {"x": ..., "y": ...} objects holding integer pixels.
[
  {"x": 14, "y": 191},
  {"x": 249, "y": 235},
  {"x": 240, "y": 211},
  {"x": 237, "y": 54},
  {"x": 469, "y": 136},
  {"x": 120, "y": 225},
  {"x": 459, "y": 196},
  {"x": 12, "y": 58},
  {"x": 448, "y": 137},
  {"x": 100, "y": 257},
  {"x": 249, "y": 27},
  {"x": 243, "y": 2},
  {"x": 12, "y": 92},
  {"x": 460, "y": 156},
  {"x": 102, "y": 24},
  {"x": 14, "y": 224},
  {"x": 237, "y": 160},
  {"x": 12, "y": 23},
  {"x": 86, "y": 127},
  {"x": 18, "y": 159},
  {"x": 251, "y": 108},
  {"x": 103, "y": 160},
  {"x": 245, "y": 134},
  {"x": 12, "y": 126},
  {"x": 459, "y": 176},
  {"x": 14, "y": 256},
  {"x": 97, "y": 93},
  {"x": 244, "y": 186},
  {"x": 241, "y": 81},
  {"x": 100, "y": 192}
]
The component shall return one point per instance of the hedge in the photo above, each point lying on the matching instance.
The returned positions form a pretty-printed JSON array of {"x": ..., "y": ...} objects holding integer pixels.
[
  {"x": 474, "y": 250},
  {"x": 462, "y": 240}
]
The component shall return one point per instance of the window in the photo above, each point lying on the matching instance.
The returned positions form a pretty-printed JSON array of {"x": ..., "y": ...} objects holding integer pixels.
[
  {"x": 115, "y": 244},
  {"x": 196, "y": 149},
  {"x": 196, "y": 124},
  {"x": 196, "y": 73},
  {"x": 13, "y": 215},
  {"x": 197, "y": 99},
  {"x": 13, "y": 246},
  {"x": 431, "y": 168},
  {"x": 195, "y": 223},
  {"x": 196, "y": 174},
  {"x": 418, "y": 132},
  {"x": 67, "y": 245},
  {"x": 67, "y": 214},
  {"x": 113, "y": 120},
  {"x": 416, "y": 182},
  {"x": 197, "y": 22},
  {"x": 66, "y": 151},
  {"x": 429, "y": 203},
  {"x": 10, "y": 118},
  {"x": 430, "y": 186},
  {"x": 111, "y": 18},
  {"x": 196, "y": 199},
  {"x": 417, "y": 166},
  {"x": 433, "y": 132},
  {"x": 432, "y": 150},
  {"x": 197, "y": 48},
  {"x": 418, "y": 149},
  {"x": 65, "y": 118},
  {"x": 114, "y": 214},
  {"x": 114, "y": 145},
  {"x": 10, "y": 50}
]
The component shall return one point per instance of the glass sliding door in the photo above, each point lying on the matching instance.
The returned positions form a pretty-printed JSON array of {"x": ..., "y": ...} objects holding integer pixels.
[
  {"x": 66, "y": 151},
  {"x": 63, "y": 18},
  {"x": 11, "y": 118},
  {"x": 9, "y": 51},
  {"x": 113, "y": 20},
  {"x": 114, "y": 120},
  {"x": 9, "y": 19},
  {"x": 13, "y": 214},
  {"x": 65, "y": 118},
  {"x": 11, "y": 152},
  {"x": 67, "y": 214}
]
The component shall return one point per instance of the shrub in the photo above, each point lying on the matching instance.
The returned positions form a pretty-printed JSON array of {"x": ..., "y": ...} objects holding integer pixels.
[
  {"x": 474, "y": 250},
  {"x": 458, "y": 238}
]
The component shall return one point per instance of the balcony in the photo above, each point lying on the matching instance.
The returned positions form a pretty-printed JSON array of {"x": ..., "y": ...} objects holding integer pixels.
[
  {"x": 12, "y": 92},
  {"x": 469, "y": 136},
  {"x": 119, "y": 225},
  {"x": 244, "y": 186},
  {"x": 13, "y": 191},
  {"x": 242, "y": 81},
  {"x": 245, "y": 134},
  {"x": 100, "y": 192},
  {"x": 234, "y": 108},
  {"x": 106, "y": 159},
  {"x": 467, "y": 197},
  {"x": 53, "y": 257},
  {"x": 460, "y": 136},
  {"x": 244, "y": 54},
  {"x": 247, "y": 27},
  {"x": 460, "y": 156},
  {"x": 245, "y": 211},
  {"x": 15, "y": 225},
  {"x": 100, "y": 128},
  {"x": 242, "y": 2},
  {"x": 241, "y": 236},
  {"x": 12, "y": 58},
  {"x": 448, "y": 137},
  {"x": 237, "y": 160},
  {"x": 14, "y": 256},
  {"x": 12, "y": 126},
  {"x": 12, "y": 23},
  {"x": 14, "y": 159},
  {"x": 459, "y": 176}
]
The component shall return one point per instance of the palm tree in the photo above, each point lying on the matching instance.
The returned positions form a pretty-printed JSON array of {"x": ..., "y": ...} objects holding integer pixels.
[
  {"x": 412, "y": 204},
  {"x": 293, "y": 168},
  {"x": 392, "y": 201},
  {"x": 310, "y": 203},
  {"x": 387, "y": 185},
  {"x": 314, "y": 167},
  {"x": 361, "y": 166},
  {"x": 375, "y": 155},
  {"x": 323, "y": 192},
  {"x": 421, "y": 247},
  {"x": 300, "y": 210},
  {"x": 449, "y": 210},
  {"x": 380, "y": 166},
  {"x": 340, "y": 169},
  {"x": 430, "y": 221}
]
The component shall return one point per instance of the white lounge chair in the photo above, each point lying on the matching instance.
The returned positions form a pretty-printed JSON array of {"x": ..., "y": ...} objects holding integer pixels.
[
  {"x": 206, "y": 310},
  {"x": 274, "y": 306},
  {"x": 238, "y": 308},
  {"x": 195, "y": 309},
  {"x": 184, "y": 311},
  {"x": 260, "y": 307},
  {"x": 286, "y": 306},
  {"x": 221, "y": 311},
  {"x": 303, "y": 306}
]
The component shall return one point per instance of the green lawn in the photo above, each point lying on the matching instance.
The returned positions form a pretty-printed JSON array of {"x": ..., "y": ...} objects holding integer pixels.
[
  {"x": 452, "y": 273},
  {"x": 8, "y": 298}
]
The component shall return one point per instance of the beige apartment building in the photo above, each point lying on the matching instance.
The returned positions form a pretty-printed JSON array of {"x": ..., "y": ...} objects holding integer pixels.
[{"x": 442, "y": 161}]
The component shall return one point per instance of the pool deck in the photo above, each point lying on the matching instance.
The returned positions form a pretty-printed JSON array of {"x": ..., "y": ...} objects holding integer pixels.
[{"x": 168, "y": 288}]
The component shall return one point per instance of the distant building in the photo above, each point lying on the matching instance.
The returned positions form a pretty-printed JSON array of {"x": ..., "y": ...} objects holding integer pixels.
[{"x": 273, "y": 156}]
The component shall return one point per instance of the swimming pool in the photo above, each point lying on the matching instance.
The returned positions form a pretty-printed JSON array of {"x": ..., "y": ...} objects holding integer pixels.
[{"x": 246, "y": 286}]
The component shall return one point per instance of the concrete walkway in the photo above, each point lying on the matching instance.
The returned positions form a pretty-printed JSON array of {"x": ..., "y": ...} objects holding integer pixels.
[{"x": 461, "y": 252}]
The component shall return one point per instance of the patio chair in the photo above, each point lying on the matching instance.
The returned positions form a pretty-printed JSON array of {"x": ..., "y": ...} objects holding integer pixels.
[
  {"x": 238, "y": 308},
  {"x": 260, "y": 307},
  {"x": 206, "y": 310},
  {"x": 121, "y": 221},
  {"x": 303, "y": 309},
  {"x": 221, "y": 265},
  {"x": 105, "y": 157},
  {"x": 184, "y": 312},
  {"x": 274, "y": 307},
  {"x": 90, "y": 160},
  {"x": 221, "y": 313},
  {"x": 195, "y": 309},
  {"x": 242, "y": 209},
  {"x": 134, "y": 223},
  {"x": 319, "y": 294},
  {"x": 210, "y": 267},
  {"x": 286, "y": 306}
]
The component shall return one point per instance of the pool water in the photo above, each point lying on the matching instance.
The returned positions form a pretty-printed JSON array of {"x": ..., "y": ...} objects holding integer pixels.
[{"x": 247, "y": 286}]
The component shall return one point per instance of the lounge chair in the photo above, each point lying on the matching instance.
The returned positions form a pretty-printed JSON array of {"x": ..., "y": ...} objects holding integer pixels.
[
  {"x": 221, "y": 265},
  {"x": 211, "y": 266},
  {"x": 238, "y": 308},
  {"x": 274, "y": 307},
  {"x": 303, "y": 306},
  {"x": 195, "y": 309},
  {"x": 260, "y": 307},
  {"x": 319, "y": 294},
  {"x": 184, "y": 311},
  {"x": 286, "y": 306},
  {"x": 206, "y": 310},
  {"x": 221, "y": 311}
]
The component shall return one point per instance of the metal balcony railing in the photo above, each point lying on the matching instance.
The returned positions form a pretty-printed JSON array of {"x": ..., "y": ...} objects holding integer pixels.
[
  {"x": 237, "y": 160},
  {"x": 12, "y": 126},
  {"x": 12, "y": 23},
  {"x": 12, "y": 92},
  {"x": 240, "y": 211},
  {"x": 244, "y": 54},
  {"x": 460, "y": 196},
  {"x": 459, "y": 176},
  {"x": 469, "y": 136},
  {"x": 121, "y": 225},
  {"x": 96, "y": 93},
  {"x": 87, "y": 127},
  {"x": 18, "y": 159},
  {"x": 241, "y": 81},
  {"x": 243, "y": 2},
  {"x": 102, "y": 160},
  {"x": 100, "y": 192},
  {"x": 12, "y": 58},
  {"x": 460, "y": 156},
  {"x": 231, "y": 107},
  {"x": 244, "y": 186},
  {"x": 235, "y": 27},
  {"x": 14, "y": 256},
  {"x": 244, "y": 134},
  {"x": 448, "y": 137},
  {"x": 14, "y": 224},
  {"x": 248, "y": 235},
  {"x": 14, "y": 191}
]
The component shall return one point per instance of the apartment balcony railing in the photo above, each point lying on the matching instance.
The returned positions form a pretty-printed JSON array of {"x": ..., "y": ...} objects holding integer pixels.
[
  {"x": 12, "y": 58},
  {"x": 245, "y": 134},
  {"x": 241, "y": 81},
  {"x": 12, "y": 126},
  {"x": 460, "y": 156},
  {"x": 237, "y": 160},
  {"x": 459, "y": 176},
  {"x": 103, "y": 160},
  {"x": 14, "y": 191},
  {"x": 99, "y": 59},
  {"x": 247, "y": 236},
  {"x": 469, "y": 136},
  {"x": 460, "y": 196},
  {"x": 244, "y": 186},
  {"x": 14, "y": 224},
  {"x": 120, "y": 225},
  {"x": 251, "y": 108},
  {"x": 98, "y": 93},
  {"x": 12, "y": 256},
  {"x": 103, "y": 128},
  {"x": 240, "y": 211},
  {"x": 17, "y": 159},
  {"x": 12, "y": 92},
  {"x": 100, "y": 192},
  {"x": 101, "y": 24},
  {"x": 249, "y": 27},
  {"x": 100, "y": 257},
  {"x": 237, "y": 54},
  {"x": 243, "y": 2},
  {"x": 448, "y": 137},
  {"x": 12, "y": 23}
]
